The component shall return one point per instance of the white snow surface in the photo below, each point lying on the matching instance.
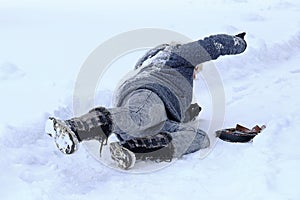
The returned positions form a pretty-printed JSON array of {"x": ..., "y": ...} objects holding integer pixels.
[{"x": 43, "y": 46}]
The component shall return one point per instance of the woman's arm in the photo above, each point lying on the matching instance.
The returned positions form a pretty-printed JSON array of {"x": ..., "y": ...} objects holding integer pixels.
[{"x": 210, "y": 48}]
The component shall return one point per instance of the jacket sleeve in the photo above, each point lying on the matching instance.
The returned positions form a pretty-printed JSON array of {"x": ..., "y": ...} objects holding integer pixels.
[
  {"x": 150, "y": 54},
  {"x": 210, "y": 48}
]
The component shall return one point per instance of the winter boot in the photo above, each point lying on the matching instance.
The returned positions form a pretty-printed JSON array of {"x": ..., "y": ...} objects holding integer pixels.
[
  {"x": 95, "y": 125},
  {"x": 64, "y": 137},
  {"x": 123, "y": 156},
  {"x": 157, "y": 148}
]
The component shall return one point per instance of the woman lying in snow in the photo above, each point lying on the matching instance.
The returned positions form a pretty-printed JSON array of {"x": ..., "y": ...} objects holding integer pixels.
[{"x": 152, "y": 107}]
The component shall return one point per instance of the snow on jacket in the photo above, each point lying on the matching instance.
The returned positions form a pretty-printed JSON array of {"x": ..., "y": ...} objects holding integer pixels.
[{"x": 168, "y": 70}]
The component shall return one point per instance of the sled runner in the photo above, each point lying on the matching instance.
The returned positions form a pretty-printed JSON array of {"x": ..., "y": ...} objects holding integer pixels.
[{"x": 239, "y": 133}]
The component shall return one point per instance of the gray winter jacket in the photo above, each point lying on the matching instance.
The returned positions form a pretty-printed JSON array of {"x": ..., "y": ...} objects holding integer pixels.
[{"x": 168, "y": 70}]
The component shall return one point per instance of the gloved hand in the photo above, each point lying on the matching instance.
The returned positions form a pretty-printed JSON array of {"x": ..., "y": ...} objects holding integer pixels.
[
  {"x": 192, "y": 112},
  {"x": 226, "y": 44},
  {"x": 242, "y": 36}
]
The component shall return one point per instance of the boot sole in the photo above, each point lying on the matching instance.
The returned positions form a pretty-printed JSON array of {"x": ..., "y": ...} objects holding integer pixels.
[
  {"x": 65, "y": 131},
  {"x": 124, "y": 157}
]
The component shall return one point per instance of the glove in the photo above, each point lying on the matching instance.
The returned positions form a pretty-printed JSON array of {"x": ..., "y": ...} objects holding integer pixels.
[
  {"x": 231, "y": 44},
  {"x": 242, "y": 36}
]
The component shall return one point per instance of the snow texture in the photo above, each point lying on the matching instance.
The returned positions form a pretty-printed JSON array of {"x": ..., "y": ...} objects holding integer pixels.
[{"x": 43, "y": 46}]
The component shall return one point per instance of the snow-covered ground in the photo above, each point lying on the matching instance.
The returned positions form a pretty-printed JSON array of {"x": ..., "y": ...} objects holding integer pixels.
[{"x": 43, "y": 45}]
